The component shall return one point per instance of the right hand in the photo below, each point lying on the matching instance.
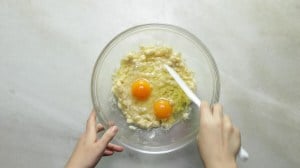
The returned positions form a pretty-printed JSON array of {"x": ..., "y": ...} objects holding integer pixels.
[{"x": 218, "y": 140}]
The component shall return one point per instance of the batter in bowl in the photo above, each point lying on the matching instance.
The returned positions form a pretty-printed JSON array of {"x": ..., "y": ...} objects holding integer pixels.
[{"x": 147, "y": 95}]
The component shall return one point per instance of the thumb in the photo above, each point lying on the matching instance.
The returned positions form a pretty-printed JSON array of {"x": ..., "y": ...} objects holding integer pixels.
[{"x": 107, "y": 137}]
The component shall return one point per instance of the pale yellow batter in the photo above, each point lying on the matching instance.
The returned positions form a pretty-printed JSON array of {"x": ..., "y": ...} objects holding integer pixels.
[{"x": 147, "y": 64}]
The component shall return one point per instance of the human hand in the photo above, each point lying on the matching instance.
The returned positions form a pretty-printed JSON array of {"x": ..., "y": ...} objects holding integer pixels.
[
  {"x": 218, "y": 140},
  {"x": 89, "y": 148}
]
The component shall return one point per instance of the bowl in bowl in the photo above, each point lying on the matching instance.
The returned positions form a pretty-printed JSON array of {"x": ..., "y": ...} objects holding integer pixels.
[{"x": 197, "y": 58}]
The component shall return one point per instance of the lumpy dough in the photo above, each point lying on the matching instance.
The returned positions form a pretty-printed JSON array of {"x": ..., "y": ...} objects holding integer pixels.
[{"x": 147, "y": 63}]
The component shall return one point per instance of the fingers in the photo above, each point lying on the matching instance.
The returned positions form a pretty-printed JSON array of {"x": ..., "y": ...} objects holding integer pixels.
[
  {"x": 205, "y": 111},
  {"x": 111, "y": 149},
  {"x": 99, "y": 128},
  {"x": 109, "y": 134},
  {"x": 227, "y": 124},
  {"x": 108, "y": 153},
  {"x": 231, "y": 134},
  {"x": 237, "y": 133},
  {"x": 227, "y": 119},
  {"x": 91, "y": 126},
  {"x": 217, "y": 111},
  {"x": 114, "y": 147},
  {"x": 107, "y": 137},
  {"x": 238, "y": 138},
  {"x": 228, "y": 127}
]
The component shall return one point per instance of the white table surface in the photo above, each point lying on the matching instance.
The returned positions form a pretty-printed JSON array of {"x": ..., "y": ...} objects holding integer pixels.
[{"x": 48, "y": 49}]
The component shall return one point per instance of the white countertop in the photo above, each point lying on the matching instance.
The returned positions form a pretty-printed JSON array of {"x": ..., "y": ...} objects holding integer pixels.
[{"x": 48, "y": 49}]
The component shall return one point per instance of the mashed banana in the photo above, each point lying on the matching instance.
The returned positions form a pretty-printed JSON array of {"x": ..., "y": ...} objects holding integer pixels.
[{"x": 147, "y": 63}]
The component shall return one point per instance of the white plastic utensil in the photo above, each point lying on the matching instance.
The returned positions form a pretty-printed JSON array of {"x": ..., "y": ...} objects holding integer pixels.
[{"x": 243, "y": 154}]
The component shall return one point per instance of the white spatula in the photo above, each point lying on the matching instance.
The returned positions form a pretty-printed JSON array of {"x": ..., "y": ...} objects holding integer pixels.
[{"x": 243, "y": 154}]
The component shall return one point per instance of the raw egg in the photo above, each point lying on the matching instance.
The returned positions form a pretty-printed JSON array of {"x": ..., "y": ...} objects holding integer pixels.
[
  {"x": 162, "y": 108},
  {"x": 141, "y": 89}
]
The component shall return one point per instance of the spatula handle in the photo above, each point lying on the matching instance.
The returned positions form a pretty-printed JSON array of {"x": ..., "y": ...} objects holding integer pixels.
[{"x": 243, "y": 154}]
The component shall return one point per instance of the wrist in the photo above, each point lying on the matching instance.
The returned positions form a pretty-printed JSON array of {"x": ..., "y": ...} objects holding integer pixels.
[{"x": 222, "y": 164}]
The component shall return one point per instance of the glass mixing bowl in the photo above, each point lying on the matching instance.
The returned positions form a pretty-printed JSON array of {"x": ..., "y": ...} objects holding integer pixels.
[{"x": 197, "y": 58}]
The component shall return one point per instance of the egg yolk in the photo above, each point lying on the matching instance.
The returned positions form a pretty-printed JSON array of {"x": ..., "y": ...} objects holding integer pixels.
[
  {"x": 162, "y": 109},
  {"x": 141, "y": 89}
]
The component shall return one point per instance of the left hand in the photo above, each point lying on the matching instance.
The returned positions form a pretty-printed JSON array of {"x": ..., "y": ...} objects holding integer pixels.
[{"x": 89, "y": 149}]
